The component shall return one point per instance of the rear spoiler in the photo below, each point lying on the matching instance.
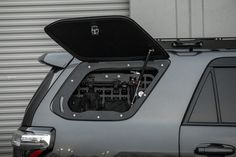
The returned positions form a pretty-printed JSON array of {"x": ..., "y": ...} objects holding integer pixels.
[
  {"x": 60, "y": 60},
  {"x": 197, "y": 44}
]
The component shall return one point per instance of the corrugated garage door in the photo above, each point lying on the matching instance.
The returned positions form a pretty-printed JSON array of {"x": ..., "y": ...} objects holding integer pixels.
[{"x": 22, "y": 41}]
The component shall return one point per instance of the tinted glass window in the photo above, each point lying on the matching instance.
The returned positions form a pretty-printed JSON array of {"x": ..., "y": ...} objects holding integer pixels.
[
  {"x": 226, "y": 85},
  {"x": 205, "y": 107}
]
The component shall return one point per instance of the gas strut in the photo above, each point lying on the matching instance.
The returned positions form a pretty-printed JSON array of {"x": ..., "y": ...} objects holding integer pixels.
[{"x": 141, "y": 75}]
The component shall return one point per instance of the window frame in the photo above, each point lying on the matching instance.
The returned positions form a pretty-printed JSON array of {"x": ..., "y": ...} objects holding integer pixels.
[
  {"x": 81, "y": 71},
  {"x": 222, "y": 62}
]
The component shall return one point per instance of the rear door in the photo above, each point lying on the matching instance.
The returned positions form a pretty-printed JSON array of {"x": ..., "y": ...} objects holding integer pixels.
[{"x": 209, "y": 126}]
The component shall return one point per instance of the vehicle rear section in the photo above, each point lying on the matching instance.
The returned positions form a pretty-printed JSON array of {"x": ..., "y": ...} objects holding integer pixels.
[
  {"x": 124, "y": 98},
  {"x": 97, "y": 129},
  {"x": 152, "y": 130},
  {"x": 92, "y": 104},
  {"x": 34, "y": 141}
]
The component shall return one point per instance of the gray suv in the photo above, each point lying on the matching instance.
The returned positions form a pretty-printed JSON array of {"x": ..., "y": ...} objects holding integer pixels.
[{"x": 121, "y": 93}]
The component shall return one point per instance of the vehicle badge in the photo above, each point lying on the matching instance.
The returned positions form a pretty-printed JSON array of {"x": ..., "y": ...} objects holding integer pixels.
[{"x": 94, "y": 30}]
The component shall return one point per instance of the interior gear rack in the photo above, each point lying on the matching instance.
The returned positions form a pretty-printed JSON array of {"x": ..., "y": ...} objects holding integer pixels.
[{"x": 109, "y": 90}]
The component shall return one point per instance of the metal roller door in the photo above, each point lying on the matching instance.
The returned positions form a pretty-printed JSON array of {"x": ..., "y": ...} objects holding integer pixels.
[{"x": 22, "y": 41}]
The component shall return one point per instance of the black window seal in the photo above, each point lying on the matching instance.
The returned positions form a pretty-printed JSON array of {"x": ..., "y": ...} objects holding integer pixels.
[
  {"x": 221, "y": 62},
  {"x": 66, "y": 90},
  {"x": 209, "y": 124},
  {"x": 216, "y": 96}
]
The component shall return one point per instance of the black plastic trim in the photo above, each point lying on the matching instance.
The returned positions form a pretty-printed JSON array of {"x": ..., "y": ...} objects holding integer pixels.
[
  {"x": 216, "y": 95},
  {"x": 198, "y": 44},
  {"x": 210, "y": 124}
]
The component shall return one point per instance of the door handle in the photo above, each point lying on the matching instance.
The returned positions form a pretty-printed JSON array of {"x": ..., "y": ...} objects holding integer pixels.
[{"x": 215, "y": 149}]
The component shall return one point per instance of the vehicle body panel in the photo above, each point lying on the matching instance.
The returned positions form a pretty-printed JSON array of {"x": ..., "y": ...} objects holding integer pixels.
[
  {"x": 193, "y": 136},
  {"x": 62, "y": 109},
  {"x": 200, "y": 135},
  {"x": 153, "y": 130}
]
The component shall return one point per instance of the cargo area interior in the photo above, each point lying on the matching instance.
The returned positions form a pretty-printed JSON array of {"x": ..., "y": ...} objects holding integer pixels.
[{"x": 110, "y": 90}]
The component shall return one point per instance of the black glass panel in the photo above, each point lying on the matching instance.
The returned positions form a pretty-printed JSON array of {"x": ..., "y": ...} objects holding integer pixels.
[
  {"x": 205, "y": 108},
  {"x": 226, "y": 84},
  {"x": 104, "y": 38}
]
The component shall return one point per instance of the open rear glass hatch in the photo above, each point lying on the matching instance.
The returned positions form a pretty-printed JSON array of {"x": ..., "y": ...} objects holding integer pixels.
[
  {"x": 121, "y": 65},
  {"x": 104, "y": 39}
]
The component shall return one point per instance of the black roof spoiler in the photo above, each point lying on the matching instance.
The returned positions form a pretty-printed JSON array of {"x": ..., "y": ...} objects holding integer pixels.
[{"x": 197, "y": 44}]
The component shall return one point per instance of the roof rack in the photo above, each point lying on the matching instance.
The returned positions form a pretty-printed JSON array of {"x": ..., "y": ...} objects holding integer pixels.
[{"x": 197, "y": 44}]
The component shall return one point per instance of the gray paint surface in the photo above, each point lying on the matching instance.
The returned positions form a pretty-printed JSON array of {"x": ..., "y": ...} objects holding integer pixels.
[
  {"x": 154, "y": 129},
  {"x": 60, "y": 60},
  {"x": 205, "y": 134}
]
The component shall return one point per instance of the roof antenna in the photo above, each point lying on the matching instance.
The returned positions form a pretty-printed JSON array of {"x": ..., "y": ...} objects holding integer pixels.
[{"x": 141, "y": 75}]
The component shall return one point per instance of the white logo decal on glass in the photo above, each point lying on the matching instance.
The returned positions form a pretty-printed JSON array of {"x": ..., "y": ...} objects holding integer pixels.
[{"x": 94, "y": 30}]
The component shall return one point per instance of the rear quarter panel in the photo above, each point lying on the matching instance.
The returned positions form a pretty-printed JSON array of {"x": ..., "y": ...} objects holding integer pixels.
[{"x": 153, "y": 131}]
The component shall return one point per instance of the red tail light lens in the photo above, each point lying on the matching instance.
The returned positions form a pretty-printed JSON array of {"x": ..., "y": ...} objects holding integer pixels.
[{"x": 36, "y": 153}]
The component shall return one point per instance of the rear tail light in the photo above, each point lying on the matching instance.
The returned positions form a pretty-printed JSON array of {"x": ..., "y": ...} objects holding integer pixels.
[{"x": 33, "y": 141}]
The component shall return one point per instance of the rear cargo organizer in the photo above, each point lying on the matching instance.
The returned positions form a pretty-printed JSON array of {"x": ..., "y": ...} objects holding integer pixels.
[{"x": 109, "y": 90}]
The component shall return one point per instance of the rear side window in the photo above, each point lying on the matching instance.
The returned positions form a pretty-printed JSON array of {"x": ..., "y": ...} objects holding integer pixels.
[
  {"x": 226, "y": 85},
  {"x": 106, "y": 91},
  {"x": 205, "y": 107},
  {"x": 214, "y": 101}
]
